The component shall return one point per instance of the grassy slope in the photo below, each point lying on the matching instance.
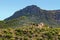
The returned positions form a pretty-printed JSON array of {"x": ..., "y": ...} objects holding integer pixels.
[{"x": 30, "y": 19}]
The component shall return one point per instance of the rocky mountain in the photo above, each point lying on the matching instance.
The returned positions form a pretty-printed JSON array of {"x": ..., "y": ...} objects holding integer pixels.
[
  {"x": 31, "y": 23},
  {"x": 35, "y": 14},
  {"x": 27, "y": 11}
]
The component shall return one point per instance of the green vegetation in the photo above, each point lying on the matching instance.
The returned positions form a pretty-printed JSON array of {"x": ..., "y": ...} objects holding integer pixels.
[
  {"x": 25, "y": 25},
  {"x": 30, "y": 33}
]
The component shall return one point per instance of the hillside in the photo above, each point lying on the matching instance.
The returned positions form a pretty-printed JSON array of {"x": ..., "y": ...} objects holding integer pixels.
[
  {"x": 31, "y": 23},
  {"x": 34, "y": 14},
  {"x": 30, "y": 33}
]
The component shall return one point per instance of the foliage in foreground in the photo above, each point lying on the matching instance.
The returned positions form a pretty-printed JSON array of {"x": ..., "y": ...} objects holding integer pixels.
[{"x": 30, "y": 33}]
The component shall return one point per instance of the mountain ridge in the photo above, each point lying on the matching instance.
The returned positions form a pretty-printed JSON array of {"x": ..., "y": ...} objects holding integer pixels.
[
  {"x": 24, "y": 9},
  {"x": 32, "y": 7},
  {"x": 35, "y": 14}
]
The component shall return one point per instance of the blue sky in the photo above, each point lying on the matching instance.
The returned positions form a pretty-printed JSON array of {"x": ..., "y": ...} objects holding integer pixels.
[{"x": 8, "y": 7}]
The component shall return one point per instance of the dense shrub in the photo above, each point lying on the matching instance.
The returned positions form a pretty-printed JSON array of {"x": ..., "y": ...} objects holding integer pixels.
[{"x": 29, "y": 33}]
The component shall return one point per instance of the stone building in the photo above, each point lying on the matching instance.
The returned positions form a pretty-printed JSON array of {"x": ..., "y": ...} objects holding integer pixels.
[{"x": 41, "y": 25}]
